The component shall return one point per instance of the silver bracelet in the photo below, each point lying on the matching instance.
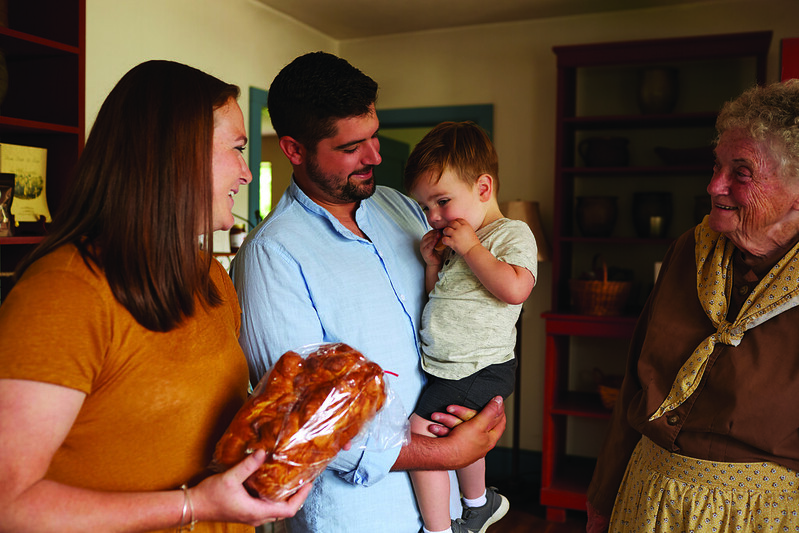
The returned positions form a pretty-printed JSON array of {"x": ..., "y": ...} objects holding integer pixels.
[{"x": 187, "y": 507}]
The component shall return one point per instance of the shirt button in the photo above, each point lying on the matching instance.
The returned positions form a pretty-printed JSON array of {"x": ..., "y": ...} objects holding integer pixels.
[
  {"x": 743, "y": 290},
  {"x": 402, "y": 297},
  {"x": 673, "y": 420}
]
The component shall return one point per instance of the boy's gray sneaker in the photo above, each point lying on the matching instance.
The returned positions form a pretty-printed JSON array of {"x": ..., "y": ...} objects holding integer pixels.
[
  {"x": 459, "y": 527},
  {"x": 477, "y": 519}
]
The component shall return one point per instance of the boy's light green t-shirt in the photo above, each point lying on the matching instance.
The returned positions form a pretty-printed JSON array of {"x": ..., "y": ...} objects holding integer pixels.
[{"x": 465, "y": 328}]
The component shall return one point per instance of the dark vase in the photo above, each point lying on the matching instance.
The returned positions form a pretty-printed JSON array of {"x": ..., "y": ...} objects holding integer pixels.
[
  {"x": 652, "y": 213},
  {"x": 596, "y": 215},
  {"x": 658, "y": 90}
]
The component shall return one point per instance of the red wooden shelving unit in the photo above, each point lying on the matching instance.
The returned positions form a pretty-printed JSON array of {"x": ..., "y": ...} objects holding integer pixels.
[
  {"x": 741, "y": 61},
  {"x": 45, "y": 51}
]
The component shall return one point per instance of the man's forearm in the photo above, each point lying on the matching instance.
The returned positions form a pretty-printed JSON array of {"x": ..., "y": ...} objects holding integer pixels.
[
  {"x": 471, "y": 438},
  {"x": 426, "y": 453}
]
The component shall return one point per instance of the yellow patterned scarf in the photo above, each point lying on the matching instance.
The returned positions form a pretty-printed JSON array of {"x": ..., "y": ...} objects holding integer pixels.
[{"x": 776, "y": 292}]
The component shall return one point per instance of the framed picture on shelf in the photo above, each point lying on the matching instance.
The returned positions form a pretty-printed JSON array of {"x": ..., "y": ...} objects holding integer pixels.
[{"x": 29, "y": 165}]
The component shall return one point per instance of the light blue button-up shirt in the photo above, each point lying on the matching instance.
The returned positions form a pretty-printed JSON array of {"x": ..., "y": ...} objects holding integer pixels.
[{"x": 303, "y": 278}]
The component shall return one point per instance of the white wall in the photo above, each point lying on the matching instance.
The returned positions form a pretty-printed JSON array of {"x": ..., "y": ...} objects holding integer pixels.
[
  {"x": 508, "y": 65},
  {"x": 238, "y": 41},
  {"x": 513, "y": 67}
]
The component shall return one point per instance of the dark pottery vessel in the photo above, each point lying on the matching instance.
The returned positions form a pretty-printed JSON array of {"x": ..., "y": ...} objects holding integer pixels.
[
  {"x": 652, "y": 212},
  {"x": 658, "y": 90},
  {"x": 596, "y": 215}
]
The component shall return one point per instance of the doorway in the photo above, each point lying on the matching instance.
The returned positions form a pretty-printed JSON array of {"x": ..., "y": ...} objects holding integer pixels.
[{"x": 401, "y": 129}]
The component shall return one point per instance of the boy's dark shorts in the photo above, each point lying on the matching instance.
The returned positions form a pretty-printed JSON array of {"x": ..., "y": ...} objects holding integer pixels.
[{"x": 474, "y": 391}]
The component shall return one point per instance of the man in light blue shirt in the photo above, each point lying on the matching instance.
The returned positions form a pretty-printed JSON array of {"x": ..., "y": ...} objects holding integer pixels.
[{"x": 338, "y": 260}]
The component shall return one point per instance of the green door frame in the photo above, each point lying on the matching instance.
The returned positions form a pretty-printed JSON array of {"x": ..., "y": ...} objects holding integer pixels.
[
  {"x": 257, "y": 105},
  {"x": 421, "y": 117}
]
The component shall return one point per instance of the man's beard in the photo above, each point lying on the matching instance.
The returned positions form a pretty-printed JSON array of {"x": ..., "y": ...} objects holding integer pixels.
[{"x": 345, "y": 192}]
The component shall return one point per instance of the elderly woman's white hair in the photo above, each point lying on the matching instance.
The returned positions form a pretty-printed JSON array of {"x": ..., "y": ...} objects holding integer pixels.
[{"x": 769, "y": 112}]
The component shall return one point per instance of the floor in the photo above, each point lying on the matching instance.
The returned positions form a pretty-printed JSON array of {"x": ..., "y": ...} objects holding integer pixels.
[
  {"x": 521, "y": 522},
  {"x": 526, "y": 514}
]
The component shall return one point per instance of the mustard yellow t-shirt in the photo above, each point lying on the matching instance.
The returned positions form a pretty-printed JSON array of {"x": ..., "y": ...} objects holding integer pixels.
[{"x": 156, "y": 403}]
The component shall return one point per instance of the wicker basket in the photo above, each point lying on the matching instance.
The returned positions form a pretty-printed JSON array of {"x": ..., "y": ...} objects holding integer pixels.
[
  {"x": 608, "y": 395},
  {"x": 608, "y": 388},
  {"x": 601, "y": 298}
]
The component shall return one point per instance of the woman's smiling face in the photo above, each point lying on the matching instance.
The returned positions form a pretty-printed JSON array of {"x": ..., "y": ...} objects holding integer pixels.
[
  {"x": 230, "y": 170},
  {"x": 754, "y": 204}
]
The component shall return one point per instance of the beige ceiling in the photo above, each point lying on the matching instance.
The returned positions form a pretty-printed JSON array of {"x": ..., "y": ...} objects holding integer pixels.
[{"x": 352, "y": 19}]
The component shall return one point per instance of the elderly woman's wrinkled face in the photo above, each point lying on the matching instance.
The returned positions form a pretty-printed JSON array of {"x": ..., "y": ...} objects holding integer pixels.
[{"x": 753, "y": 204}]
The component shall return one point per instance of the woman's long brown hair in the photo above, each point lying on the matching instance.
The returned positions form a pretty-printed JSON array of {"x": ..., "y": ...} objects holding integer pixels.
[{"x": 142, "y": 192}]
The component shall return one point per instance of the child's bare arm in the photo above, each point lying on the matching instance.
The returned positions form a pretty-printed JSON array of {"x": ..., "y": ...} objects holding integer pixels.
[
  {"x": 510, "y": 283},
  {"x": 432, "y": 258},
  {"x": 430, "y": 277}
]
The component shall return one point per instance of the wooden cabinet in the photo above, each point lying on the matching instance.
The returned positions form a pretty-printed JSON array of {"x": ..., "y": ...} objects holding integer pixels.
[
  {"x": 44, "y": 48},
  {"x": 665, "y": 149}
]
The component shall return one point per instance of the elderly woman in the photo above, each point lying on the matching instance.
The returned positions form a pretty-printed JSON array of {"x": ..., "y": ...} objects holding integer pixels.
[{"x": 706, "y": 430}]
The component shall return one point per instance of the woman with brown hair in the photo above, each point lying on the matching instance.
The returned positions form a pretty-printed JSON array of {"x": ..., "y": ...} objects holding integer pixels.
[{"x": 120, "y": 365}]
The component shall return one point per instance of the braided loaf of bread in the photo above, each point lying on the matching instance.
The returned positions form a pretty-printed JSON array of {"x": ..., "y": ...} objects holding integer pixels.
[{"x": 302, "y": 412}]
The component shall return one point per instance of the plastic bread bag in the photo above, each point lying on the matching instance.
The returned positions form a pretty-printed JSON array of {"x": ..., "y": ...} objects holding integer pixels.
[
  {"x": 390, "y": 427},
  {"x": 309, "y": 405}
]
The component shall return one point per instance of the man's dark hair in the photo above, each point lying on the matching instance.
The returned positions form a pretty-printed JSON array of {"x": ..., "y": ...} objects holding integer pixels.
[{"x": 314, "y": 91}]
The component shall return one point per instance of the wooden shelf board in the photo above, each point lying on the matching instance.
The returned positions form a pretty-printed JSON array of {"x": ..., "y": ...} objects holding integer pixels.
[
  {"x": 567, "y": 498},
  {"x": 20, "y": 43},
  {"x": 625, "y": 241},
  {"x": 33, "y": 126},
  {"x": 672, "y": 120},
  {"x": 701, "y": 171},
  {"x": 27, "y": 239},
  {"x": 669, "y": 49},
  {"x": 587, "y": 325}
]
